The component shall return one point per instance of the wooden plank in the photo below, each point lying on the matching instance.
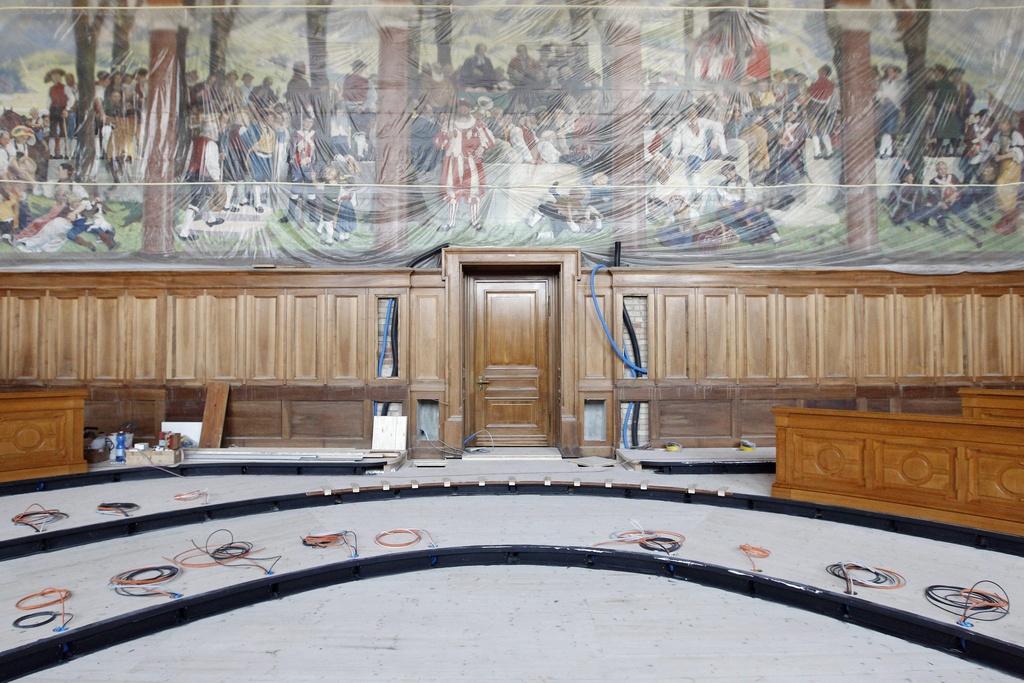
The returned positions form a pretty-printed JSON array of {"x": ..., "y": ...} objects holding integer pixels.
[{"x": 213, "y": 414}]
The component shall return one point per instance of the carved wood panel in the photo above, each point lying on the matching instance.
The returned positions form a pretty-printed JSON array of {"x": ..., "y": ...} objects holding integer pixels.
[
  {"x": 304, "y": 332},
  {"x": 828, "y": 462},
  {"x": 184, "y": 335},
  {"x": 995, "y": 477},
  {"x": 27, "y": 334},
  {"x": 346, "y": 336},
  {"x": 835, "y": 335},
  {"x": 915, "y": 336},
  {"x": 66, "y": 321},
  {"x": 993, "y": 335},
  {"x": 798, "y": 350},
  {"x": 674, "y": 323},
  {"x": 223, "y": 335},
  {"x": 597, "y": 356},
  {"x": 875, "y": 337},
  {"x": 107, "y": 330},
  {"x": 426, "y": 347},
  {"x": 954, "y": 335},
  {"x": 911, "y": 468},
  {"x": 716, "y": 335},
  {"x": 146, "y": 317},
  {"x": 264, "y": 328},
  {"x": 757, "y": 335}
]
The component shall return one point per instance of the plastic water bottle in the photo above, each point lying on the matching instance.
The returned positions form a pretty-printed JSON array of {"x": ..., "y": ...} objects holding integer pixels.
[{"x": 119, "y": 447}]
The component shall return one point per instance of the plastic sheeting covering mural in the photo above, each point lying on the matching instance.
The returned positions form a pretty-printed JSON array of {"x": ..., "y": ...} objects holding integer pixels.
[{"x": 783, "y": 135}]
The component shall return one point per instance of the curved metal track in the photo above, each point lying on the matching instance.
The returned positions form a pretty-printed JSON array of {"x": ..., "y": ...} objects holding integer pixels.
[
  {"x": 57, "y": 539},
  {"x": 77, "y": 642}
]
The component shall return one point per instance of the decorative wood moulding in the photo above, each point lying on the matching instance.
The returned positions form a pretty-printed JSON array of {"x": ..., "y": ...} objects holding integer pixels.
[{"x": 41, "y": 434}]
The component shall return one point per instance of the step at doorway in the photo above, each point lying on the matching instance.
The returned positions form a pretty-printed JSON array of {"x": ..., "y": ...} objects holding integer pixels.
[{"x": 513, "y": 453}]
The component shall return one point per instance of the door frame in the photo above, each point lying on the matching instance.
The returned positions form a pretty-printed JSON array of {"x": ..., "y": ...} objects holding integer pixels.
[{"x": 563, "y": 265}]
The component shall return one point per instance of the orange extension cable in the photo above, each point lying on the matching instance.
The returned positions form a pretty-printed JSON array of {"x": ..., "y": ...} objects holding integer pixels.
[
  {"x": 62, "y": 595},
  {"x": 38, "y": 518},
  {"x": 139, "y": 582},
  {"x": 752, "y": 551},
  {"x": 332, "y": 540},
  {"x": 648, "y": 539},
  {"x": 417, "y": 536},
  {"x": 193, "y": 495}
]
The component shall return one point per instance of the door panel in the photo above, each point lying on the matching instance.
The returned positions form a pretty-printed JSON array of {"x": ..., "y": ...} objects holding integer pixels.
[{"x": 508, "y": 376}]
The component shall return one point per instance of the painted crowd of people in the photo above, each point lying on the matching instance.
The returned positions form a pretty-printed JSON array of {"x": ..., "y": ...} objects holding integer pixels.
[{"x": 718, "y": 158}]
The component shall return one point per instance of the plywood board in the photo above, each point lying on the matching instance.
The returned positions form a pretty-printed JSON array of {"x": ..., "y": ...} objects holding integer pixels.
[{"x": 389, "y": 433}]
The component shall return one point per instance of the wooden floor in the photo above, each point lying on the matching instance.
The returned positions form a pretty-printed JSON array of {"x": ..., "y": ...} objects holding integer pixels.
[{"x": 508, "y": 623}]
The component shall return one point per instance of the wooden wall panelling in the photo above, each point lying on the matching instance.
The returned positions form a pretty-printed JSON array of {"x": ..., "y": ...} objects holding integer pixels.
[
  {"x": 305, "y": 334},
  {"x": 675, "y": 315},
  {"x": 875, "y": 333},
  {"x": 426, "y": 342},
  {"x": 993, "y": 335},
  {"x": 224, "y": 332},
  {"x": 955, "y": 323},
  {"x": 597, "y": 359},
  {"x": 264, "y": 334},
  {"x": 1017, "y": 333},
  {"x": 757, "y": 336},
  {"x": 254, "y": 422},
  {"x": 836, "y": 340},
  {"x": 346, "y": 335},
  {"x": 66, "y": 341},
  {"x": 330, "y": 422},
  {"x": 27, "y": 337},
  {"x": 145, "y": 351},
  {"x": 716, "y": 335},
  {"x": 5, "y": 339},
  {"x": 916, "y": 336},
  {"x": 107, "y": 332},
  {"x": 798, "y": 329},
  {"x": 186, "y": 360}
]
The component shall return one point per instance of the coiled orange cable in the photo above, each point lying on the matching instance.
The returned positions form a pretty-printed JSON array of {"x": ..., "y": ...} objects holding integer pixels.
[
  {"x": 331, "y": 540},
  {"x": 193, "y": 495},
  {"x": 62, "y": 595},
  {"x": 752, "y": 551},
  {"x": 417, "y": 536},
  {"x": 38, "y": 519}
]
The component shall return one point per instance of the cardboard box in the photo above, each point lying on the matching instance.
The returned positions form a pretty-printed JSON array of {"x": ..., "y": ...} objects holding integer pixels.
[{"x": 151, "y": 457}]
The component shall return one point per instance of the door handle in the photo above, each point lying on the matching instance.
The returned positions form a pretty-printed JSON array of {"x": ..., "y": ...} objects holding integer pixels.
[{"x": 480, "y": 382}]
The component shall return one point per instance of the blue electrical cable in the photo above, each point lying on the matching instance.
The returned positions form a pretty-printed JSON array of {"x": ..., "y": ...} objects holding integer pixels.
[
  {"x": 383, "y": 345},
  {"x": 629, "y": 408},
  {"x": 625, "y": 430},
  {"x": 593, "y": 297},
  {"x": 634, "y": 368}
]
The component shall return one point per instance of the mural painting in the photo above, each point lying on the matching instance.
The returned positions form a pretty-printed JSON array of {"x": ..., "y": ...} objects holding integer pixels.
[{"x": 230, "y": 133}]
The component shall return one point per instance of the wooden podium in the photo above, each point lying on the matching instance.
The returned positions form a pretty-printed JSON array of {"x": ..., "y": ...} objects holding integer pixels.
[{"x": 41, "y": 434}]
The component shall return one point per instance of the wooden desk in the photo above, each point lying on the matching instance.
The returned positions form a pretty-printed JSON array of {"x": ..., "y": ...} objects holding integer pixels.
[
  {"x": 41, "y": 434},
  {"x": 947, "y": 469},
  {"x": 993, "y": 404}
]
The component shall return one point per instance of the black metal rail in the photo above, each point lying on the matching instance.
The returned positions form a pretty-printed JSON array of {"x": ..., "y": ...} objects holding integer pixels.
[
  {"x": 78, "y": 642},
  {"x": 198, "y": 469}
]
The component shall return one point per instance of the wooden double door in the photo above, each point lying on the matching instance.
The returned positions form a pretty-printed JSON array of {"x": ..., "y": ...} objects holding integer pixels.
[{"x": 512, "y": 352}]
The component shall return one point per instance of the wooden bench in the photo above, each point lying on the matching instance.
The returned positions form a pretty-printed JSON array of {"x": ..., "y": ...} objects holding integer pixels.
[
  {"x": 41, "y": 434},
  {"x": 957, "y": 470},
  {"x": 992, "y": 404}
]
